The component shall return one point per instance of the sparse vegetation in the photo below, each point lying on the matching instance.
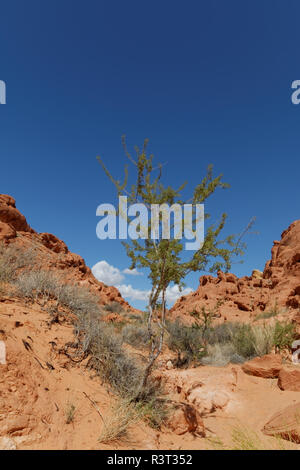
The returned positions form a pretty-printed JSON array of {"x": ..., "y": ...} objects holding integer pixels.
[
  {"x": 227, "y": 342},
  {"x": 116, "y": 425},
  {"x": 102, "y": 342},
  {"x": 186, "y": 341},
  {"x": 284, "y": 335},
  {"x": 162, "y": 255},
  {"x": 243, "y": 438},
  {"x": 117, "y": 367},
  {"x": 13, "y": 259},
  {"x": 273, "y": 312},
  {"x": 42, "y": 286},
  {"x": 114, "y": 307},
  {"x": 136, "y": 335},
  {"x": 70, "y": 413}
]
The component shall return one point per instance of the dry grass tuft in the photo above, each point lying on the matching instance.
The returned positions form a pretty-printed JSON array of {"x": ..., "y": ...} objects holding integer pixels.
[{"x": 116, "y": 426}]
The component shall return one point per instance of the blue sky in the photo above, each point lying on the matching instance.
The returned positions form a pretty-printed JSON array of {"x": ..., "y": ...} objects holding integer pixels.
[{"x": 205, "y": 81}]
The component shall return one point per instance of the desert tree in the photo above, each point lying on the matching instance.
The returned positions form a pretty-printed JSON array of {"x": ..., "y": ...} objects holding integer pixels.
[{"x": 163, "y": 257}]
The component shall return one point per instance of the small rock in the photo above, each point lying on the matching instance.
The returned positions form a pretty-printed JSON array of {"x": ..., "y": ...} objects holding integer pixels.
[
  {"x": 267, "y": 366},
  {"x": 289, "y": 380},
  {"x": 169, "y": 365}
]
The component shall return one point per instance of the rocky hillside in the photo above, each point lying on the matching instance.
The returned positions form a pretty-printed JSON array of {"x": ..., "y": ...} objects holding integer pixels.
[
  {"x": 52, "y": 253},
  {"x": 233, "y": 298},
  {"x": 69, "y": 369}
]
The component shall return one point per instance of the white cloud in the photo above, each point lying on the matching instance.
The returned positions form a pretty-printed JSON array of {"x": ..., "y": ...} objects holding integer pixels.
[
  {"x": 172, "y": 293},
  {"x": 112, "y": 276},
  {"x": 128, "y": 292},
  {"x": 106, "y": 273},
  {"x": 132, "y": 272}
]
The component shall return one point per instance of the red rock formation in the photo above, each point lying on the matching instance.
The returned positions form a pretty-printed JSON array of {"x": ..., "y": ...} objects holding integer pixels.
[
  {"x": 51, "y": 252},
  {"x": 242, "y": 298},
  {"x": 285, "y": 423},
  {"x": 268, "y": 366},
  {"x": 289, "y": 379}
]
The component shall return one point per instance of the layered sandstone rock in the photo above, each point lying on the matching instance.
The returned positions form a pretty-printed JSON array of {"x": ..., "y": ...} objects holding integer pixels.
[
  {"x": 285, "y": 424},
  {"x": 289, "y": 379},
  {"x": 268, "y": 366}
]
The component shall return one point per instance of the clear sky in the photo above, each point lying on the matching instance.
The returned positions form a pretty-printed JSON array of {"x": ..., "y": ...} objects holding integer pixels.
[{"x": 205, "y": 81}]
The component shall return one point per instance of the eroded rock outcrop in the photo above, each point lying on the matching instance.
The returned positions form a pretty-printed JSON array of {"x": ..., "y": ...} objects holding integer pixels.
[
  {"x": 51, "y": 252},
  {"x": 285, "y": 424},
  {"x": 268, "y": 366},
  {"x": 234, "y": 298}
]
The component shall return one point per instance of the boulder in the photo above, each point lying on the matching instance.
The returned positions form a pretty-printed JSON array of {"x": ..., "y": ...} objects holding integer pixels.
[
  {"x": 285, "y": 424},
  {"x": 289, "y": 379},
  {"x": 185, "y": 418},
  {"x": 267, "y": 366}
]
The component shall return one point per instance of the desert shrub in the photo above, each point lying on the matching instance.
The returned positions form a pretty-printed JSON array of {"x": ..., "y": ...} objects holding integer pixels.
[
  {"x": 114, "y": 307},
  {"x": 273, "y": 312},
  {"x": 243, "y": 438},
  {"x": 109, "y": 358},
  {"x": 70, "y": 413},
  {"x": 116, "y": 367},
  {"x": 284, "y": 335},
  {"x": 263, "y": 339},
  {"x": 220, "y": 354},
  {"x": 37, "y": 284},
  {"x": 187, "y": 341},
  {"x": 243, "y": 340},
  {"x": 45, "y": 286},
  {"x": 136, "y": 335},
  {"x": 13, "y": 259},
  {"x": 116, "y": 426},
  {"x": 79, "y": 300},
  {"x": 221, "y": 333},
  {"x": 219, "y": 345},
  {"x": 154, "y": 411}
]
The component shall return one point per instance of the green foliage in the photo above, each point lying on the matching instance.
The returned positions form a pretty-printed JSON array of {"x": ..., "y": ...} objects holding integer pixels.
[
  {"x": 114, "y": 307},
  {"x": 244, "y": 340},
  {"x": 284, "y": 335},
  {"x": 273, "y": 312},
  {"x": 136, "y": 335},
  {"x": 163, "y": 257},
  {"x": 227, "y": 342},
  {"x": 43, "y": 286},
  {"x": 70, "y": 413},
  {"x": 186, "y": 341}
]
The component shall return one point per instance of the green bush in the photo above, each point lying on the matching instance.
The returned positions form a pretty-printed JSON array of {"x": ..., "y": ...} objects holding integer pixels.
[
  {"x": 284, "y": 335},
  {"x": 45, "y": 285},
  {"x": 13, "y": 259},
  {"x": 114, "y": 307},
  {"x": 187, "y": 341},
  {"x": 226, "y": 342},
  {"x": 244, "y": 341},
  {"x": 136, "y": 335}
]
